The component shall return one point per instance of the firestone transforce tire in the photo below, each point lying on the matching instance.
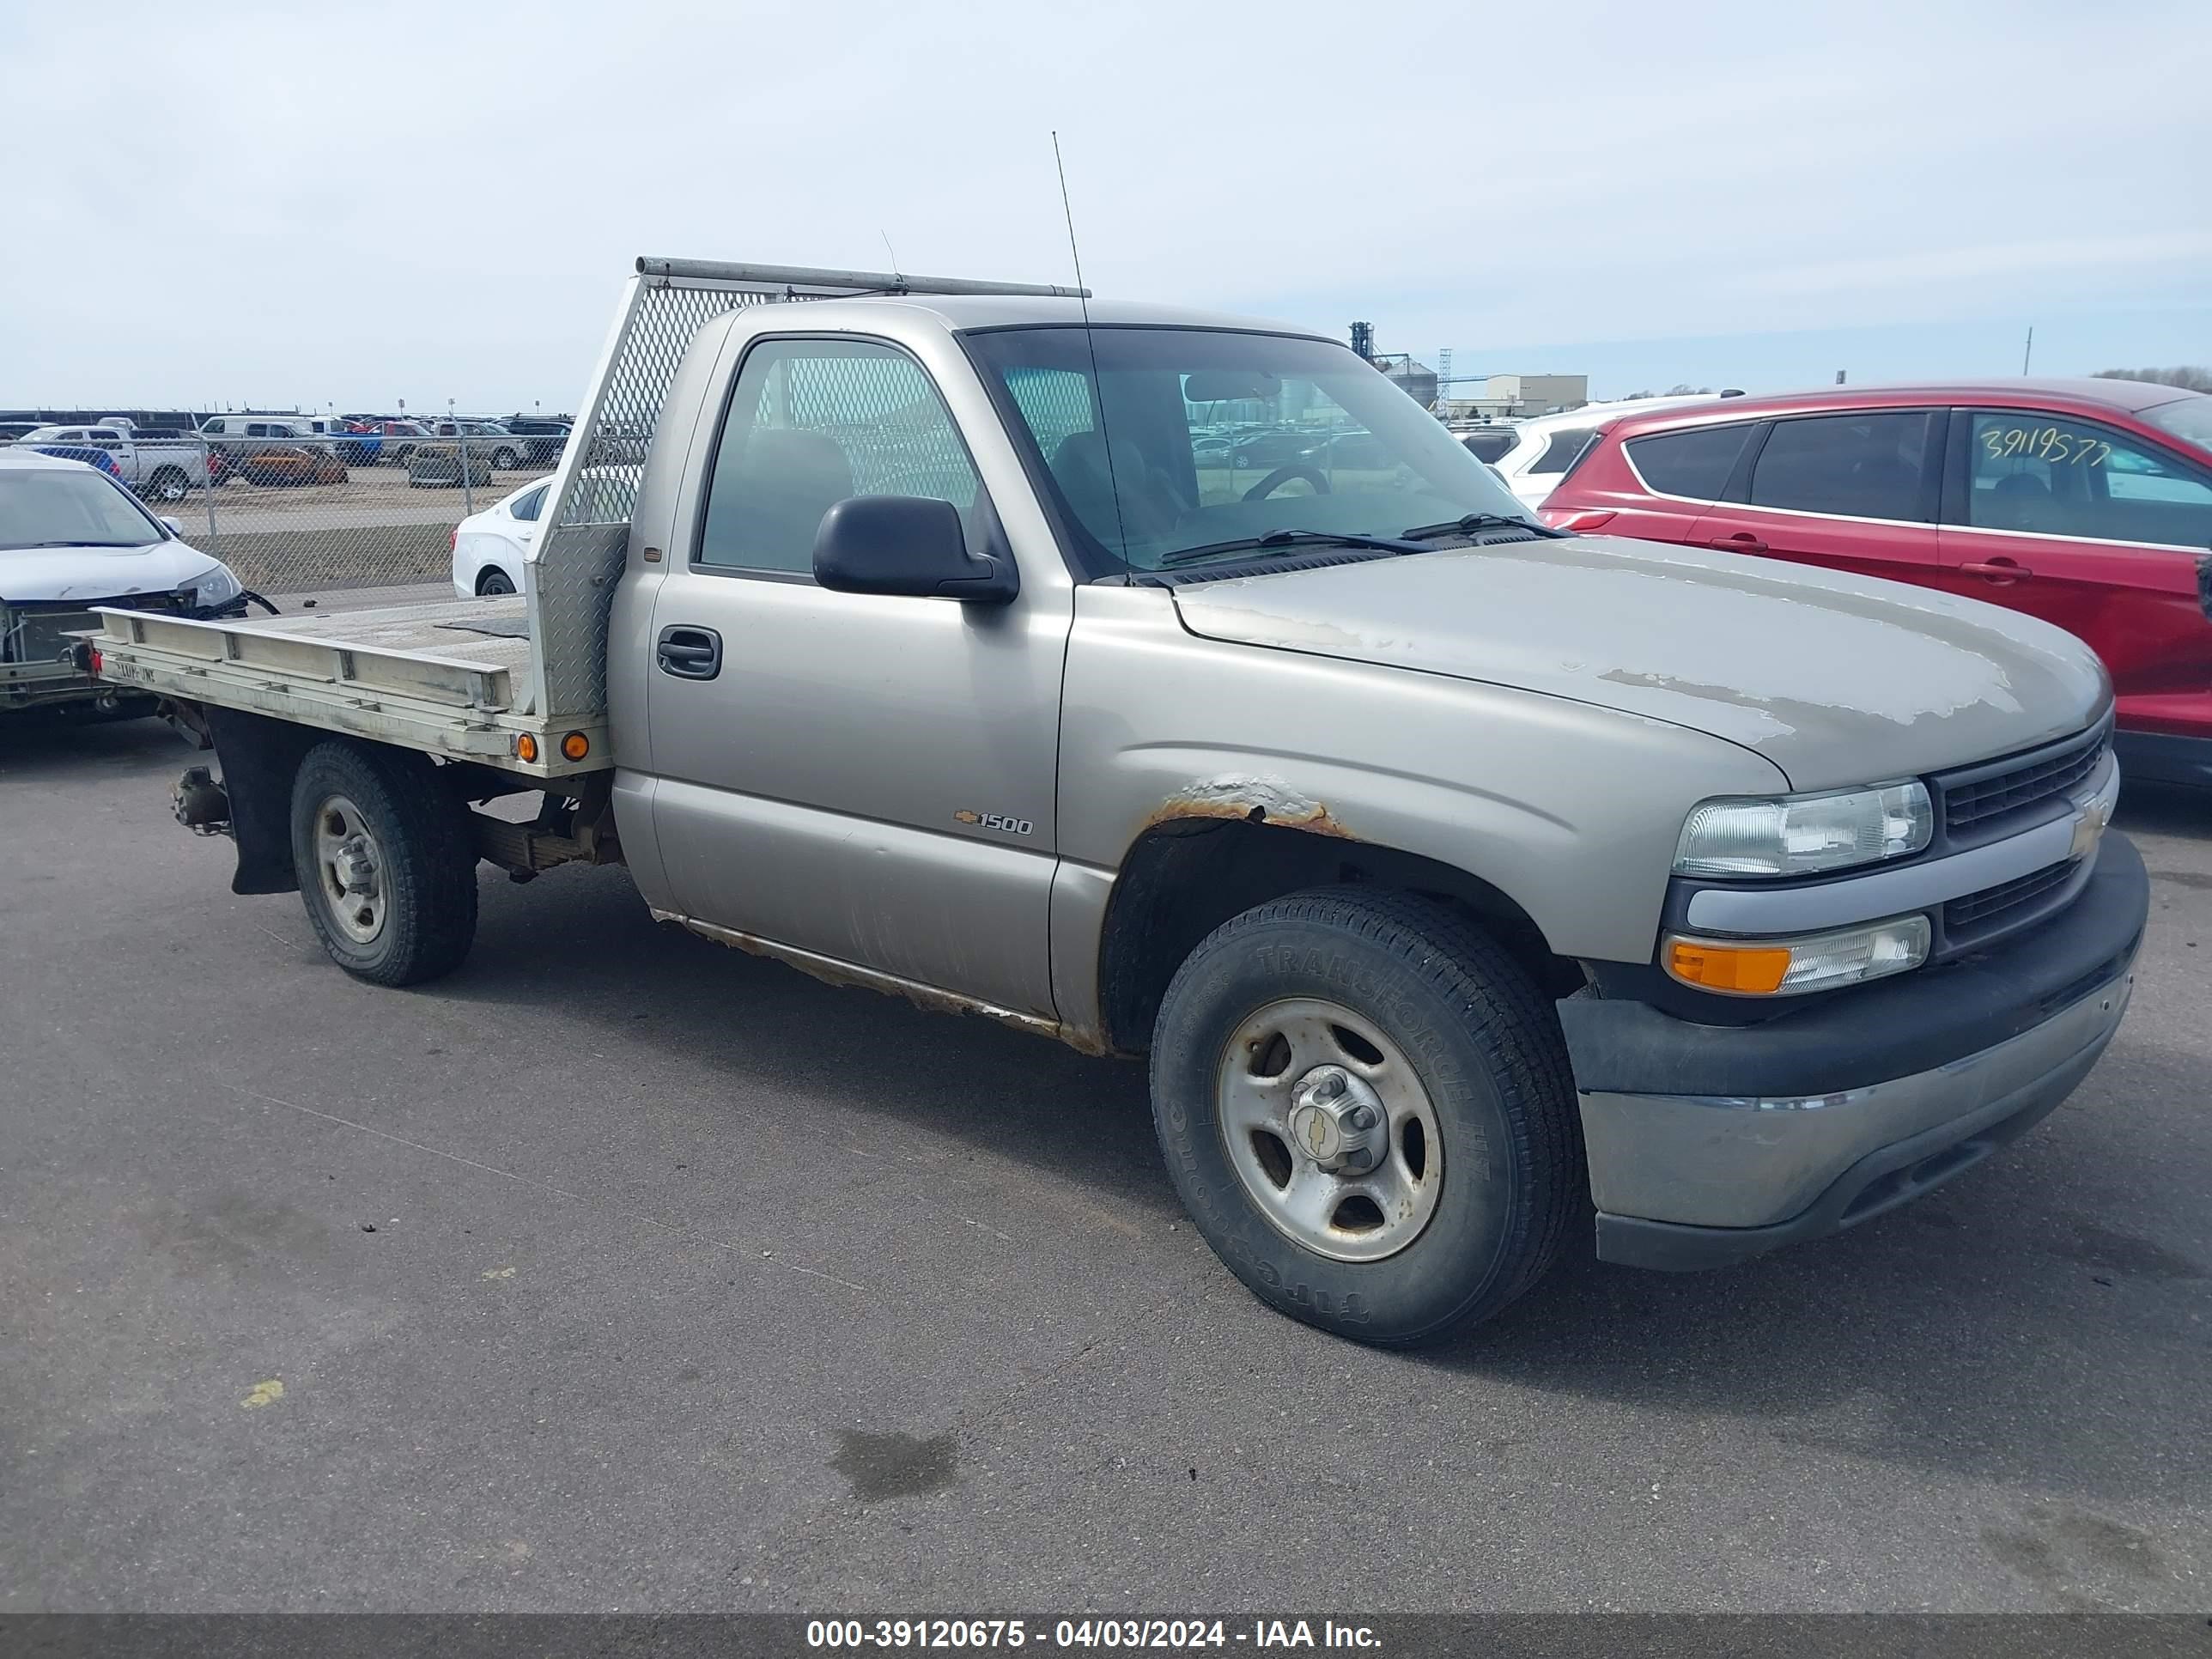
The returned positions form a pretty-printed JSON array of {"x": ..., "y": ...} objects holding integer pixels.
[
  {"x": 1368, "y": 1110},
  {"x": 386, "y": 861}
]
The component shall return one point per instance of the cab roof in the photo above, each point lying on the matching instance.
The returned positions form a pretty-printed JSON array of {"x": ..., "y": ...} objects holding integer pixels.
[{"x": 967, "y": 312}]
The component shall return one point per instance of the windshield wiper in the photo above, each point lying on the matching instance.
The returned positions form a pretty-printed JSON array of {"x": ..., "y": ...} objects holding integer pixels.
[
  {"x": 1468, "y": 525},
  {"x": 1275, "y": 539},
  {"x": 72, "y": 542}
]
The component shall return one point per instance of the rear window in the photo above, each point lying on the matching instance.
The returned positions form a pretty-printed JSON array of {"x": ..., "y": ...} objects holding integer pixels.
[
  {"x": 2189, "y": 419},
  {"x": 1560, "y": 453},
  {"x": 1865, "y": 466},
  {"x": 1491, "y": 446},
  {"x": 1696, "y": 464}
]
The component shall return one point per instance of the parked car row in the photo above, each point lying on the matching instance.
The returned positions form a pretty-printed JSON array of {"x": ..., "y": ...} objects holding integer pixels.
[
  {"x": 298, "y": 449},
  {"x": 508, "y": 445}
]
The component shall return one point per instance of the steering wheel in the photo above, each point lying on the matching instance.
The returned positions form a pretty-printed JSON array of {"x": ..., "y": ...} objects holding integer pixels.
[{"x": 1283, "y": 475}]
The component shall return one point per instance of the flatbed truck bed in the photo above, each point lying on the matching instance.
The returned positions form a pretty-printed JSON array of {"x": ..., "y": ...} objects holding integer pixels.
[{"x": 450, "y": 678}]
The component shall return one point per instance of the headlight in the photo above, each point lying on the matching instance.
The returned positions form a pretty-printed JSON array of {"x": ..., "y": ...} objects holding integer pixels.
[
  {"x": 217, "y": 587},
  {"x": 1804, "y": 835},
  {"x": 1790, "y": 966}
]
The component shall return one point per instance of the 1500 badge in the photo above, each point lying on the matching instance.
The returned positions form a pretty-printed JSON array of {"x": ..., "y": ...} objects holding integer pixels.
[{"x": 995, "y": 821}]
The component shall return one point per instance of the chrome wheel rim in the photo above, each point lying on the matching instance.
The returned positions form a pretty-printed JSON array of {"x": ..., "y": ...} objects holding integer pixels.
[
  {"x": 1330, "y": 1129},
  {"x": 350, "y": 867}
]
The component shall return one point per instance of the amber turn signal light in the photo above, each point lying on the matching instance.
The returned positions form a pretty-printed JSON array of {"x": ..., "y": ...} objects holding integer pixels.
[
  {"x": 1754, "y": 969},
  {"x": 575, "y": 745},
  {"x": 526, "y": 748}
]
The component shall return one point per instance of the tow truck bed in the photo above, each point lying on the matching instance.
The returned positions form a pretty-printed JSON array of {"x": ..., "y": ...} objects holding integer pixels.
[{"x": 450, "y": 678}]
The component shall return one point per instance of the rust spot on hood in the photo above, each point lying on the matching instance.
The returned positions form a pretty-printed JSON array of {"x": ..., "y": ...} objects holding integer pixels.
[{"x": 1252, "y": 800}]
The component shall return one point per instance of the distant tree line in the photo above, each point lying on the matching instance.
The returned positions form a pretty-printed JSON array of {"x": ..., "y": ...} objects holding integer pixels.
[
  {"x": 1684, "y": 390},
  {"x": 2189, "y": 380}
]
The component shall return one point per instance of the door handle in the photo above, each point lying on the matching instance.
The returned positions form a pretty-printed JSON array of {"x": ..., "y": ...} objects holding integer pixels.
[
  {"x": 1740, "y": 541},
  {"x": 2000, "y": 571},
  {"x": 690, "y": 653}
]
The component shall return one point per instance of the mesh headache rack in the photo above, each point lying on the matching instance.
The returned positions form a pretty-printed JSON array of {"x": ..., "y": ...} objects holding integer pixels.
[
  {"x": 514, "y": 682},
  {"x": 570, "y": 577}
]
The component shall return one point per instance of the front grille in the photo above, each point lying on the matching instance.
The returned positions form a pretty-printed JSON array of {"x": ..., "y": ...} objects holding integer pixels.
[
  {"x": 41, "y": 633},
  {"x": 1983, "y": 792},
  {"x": 1977, "y": 912}
]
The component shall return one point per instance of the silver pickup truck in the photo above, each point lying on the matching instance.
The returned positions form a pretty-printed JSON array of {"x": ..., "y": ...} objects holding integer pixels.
[
  {"x": 160, "y": 466},
  {"x": 1465, "y": 883}
]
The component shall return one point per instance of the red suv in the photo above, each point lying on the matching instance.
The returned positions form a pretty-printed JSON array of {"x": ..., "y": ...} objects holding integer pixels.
[{"x": 2085, "y": 502}]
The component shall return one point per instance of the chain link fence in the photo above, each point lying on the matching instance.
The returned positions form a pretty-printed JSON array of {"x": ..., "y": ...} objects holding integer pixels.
[{"x": 296, "y": 511}]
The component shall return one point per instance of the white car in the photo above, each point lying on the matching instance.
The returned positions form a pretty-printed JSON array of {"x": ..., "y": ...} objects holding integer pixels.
[
  {"x": 72, "y": 537},
  {"x": 489, "y": 547},
  {"x": 1545, "y": 446}
]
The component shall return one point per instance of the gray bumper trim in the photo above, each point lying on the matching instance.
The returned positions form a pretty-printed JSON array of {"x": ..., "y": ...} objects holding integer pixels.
[{"x": 1725, "y": 1162}]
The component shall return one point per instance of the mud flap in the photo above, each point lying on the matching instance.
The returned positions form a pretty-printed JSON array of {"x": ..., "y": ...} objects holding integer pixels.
[{"x": 259, "y": 758}]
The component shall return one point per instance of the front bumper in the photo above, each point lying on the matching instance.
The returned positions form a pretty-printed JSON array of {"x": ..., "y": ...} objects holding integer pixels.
[
  {"x": 30, "y": 685},
  {"x": 1709, "y": 1144}
]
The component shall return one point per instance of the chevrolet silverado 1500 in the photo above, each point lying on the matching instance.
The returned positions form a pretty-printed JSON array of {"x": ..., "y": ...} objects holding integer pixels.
[{"x": 1461, "y": 879}]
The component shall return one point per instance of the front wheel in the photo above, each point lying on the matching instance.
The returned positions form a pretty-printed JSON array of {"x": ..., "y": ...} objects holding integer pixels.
[
  {"x": 1367, "y": 1108},
  {"x": 386, "y": 861}
]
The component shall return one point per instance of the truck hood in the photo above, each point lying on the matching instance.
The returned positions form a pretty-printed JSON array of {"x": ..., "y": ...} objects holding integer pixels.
[
  {"x": 32, "y": 575},
  {"x": 1839, "y": 680}
]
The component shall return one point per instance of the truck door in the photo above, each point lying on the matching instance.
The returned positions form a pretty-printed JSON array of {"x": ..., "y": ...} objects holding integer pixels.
[{"x": 868, "y": 778}]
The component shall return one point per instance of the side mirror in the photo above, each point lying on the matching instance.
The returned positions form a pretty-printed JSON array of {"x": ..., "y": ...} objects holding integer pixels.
[
  {"x": 175, "y": 529},
  {"x": 907, "y": 545}
]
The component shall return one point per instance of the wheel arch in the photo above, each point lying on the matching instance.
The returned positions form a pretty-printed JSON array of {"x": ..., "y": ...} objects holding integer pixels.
[{"x": 1185, "y": 876}]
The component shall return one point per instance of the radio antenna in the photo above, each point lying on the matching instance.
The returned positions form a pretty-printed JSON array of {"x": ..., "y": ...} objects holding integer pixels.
[{"x": 1090, "y": 341}]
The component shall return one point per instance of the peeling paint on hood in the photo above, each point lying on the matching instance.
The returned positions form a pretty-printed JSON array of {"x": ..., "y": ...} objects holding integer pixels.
[{"x": 1838, "y": 679}]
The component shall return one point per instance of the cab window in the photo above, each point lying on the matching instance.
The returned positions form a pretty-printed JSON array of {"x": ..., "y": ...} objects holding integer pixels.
[
  {"x": 811, "y": 422},
  {"x": 2047, "y": 475}
]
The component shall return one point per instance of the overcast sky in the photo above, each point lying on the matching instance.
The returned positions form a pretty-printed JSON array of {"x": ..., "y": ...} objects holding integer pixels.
[{"x": 289, "y": 204}]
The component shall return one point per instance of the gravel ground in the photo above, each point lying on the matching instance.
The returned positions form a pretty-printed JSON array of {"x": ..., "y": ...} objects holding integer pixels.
[{"x": 622, "y": 1272}]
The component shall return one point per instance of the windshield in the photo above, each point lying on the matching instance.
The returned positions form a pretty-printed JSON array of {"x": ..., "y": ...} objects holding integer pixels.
[
  {"x": 1213, "y": 440},
  {"x": 2189, "y": 419},
  {"x": 68, "y": 506}
]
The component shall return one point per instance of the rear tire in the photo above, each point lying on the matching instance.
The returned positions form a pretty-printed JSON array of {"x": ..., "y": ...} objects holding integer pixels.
[
  {"x": 170, "y": 484},
  {"x": 386, "y": 862},
  {"x": 1439, "y": 1216},
  {"x": 494, "y": 582}
]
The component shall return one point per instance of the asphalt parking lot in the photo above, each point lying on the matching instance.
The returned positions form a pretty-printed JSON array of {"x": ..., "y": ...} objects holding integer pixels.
[{"x": 622, "y": 1272}]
